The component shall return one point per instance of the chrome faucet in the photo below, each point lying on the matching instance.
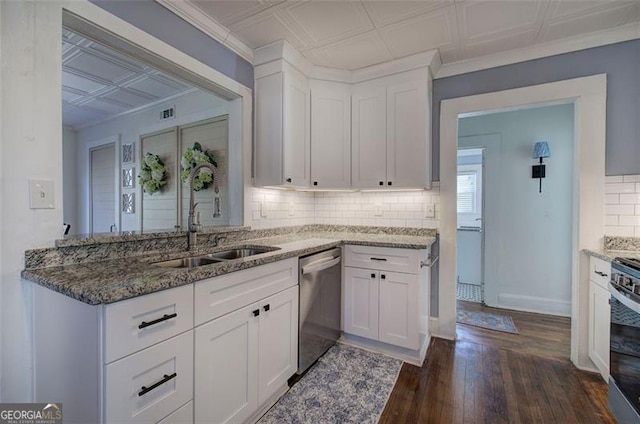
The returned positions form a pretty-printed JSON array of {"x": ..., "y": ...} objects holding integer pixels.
[{"x": 193, "y": 221}]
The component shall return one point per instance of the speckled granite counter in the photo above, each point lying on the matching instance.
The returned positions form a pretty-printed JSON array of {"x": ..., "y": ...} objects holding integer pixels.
[
  {"x": 609, "y": 255},
  {"x": 111, "y": 280}
]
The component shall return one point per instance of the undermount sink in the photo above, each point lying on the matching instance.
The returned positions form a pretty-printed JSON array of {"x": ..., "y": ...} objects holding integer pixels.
[
  {"x": 237, "y": 253},
  {"x": 187, "y": 262},
  {"x": 212, "y": 258}
]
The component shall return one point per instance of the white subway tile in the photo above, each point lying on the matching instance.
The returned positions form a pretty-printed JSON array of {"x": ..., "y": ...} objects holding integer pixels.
[
  {"x": 620, "y": 188},
  {"x": 631, "y": 178},
  {"x": 612, "y": 199},
  {"x": 637, "y": 231},
  {"x": 627, "y": 198},
  {"x": 613, "y": 179},
  {"x": 629, "y": 220},
  {"x": 618, "y": 231},
  {"x": 619, "y": 209},
  {"x": 611, "y": 220},
  {"x": 637, "y": 210}
]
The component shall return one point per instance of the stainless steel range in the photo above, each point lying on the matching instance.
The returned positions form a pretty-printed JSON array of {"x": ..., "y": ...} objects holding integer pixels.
[{"x": 624, "y": 384}]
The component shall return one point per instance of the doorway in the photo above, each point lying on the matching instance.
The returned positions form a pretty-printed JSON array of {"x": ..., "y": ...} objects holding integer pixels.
[{"x": 102, "y": 189}]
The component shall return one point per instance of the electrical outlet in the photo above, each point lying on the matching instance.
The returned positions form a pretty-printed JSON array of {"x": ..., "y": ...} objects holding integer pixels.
[
  {"x": 429, "y": 210},
  {"x": 263, "y": 209},
  {"x": 292, "y": 209},
  {"x": 41, "y": 194},
  {"x": 377, "y": 209}
]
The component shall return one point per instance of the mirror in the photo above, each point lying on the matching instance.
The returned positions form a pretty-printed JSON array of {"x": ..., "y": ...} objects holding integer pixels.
[{"x": 116, "y": 110}]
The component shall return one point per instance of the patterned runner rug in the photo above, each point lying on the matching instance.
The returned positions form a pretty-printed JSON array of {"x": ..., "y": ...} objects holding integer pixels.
[
  {"x": 497, "y": 322},
  {"x": 346, "y": 385}
]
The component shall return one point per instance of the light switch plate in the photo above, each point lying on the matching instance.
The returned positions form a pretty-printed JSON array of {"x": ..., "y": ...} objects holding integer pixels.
[
  {"x": 377, "y": 209},
  {"x": 263, "y": 209},
  {"x": 292, "y": 209},
  {"x": 429, "y": 210},
  {"x": 41, "y": 194}
]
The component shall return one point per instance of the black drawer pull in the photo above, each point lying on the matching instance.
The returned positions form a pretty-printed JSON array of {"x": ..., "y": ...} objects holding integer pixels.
[
  {"x": 379, "y": 259},
  {"x": 256, "y": 312},
  {"x": 600, "y": 273},
  {"x": 381, "y": 183},
  {"x": 289, "y": 180},
  {"x": 373, "y": 275},
  {"x": 382, "y": 276},
  {"x": 266, "y": 308},
  {"x": 315, "y": 183},
  {"x": 389, "y": 183},
  {"x": 165, "y": 317},
  {"x": 144, "y": 390}
]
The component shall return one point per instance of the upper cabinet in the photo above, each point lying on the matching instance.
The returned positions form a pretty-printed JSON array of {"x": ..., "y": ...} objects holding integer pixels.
[
  {"x": 282, "y": 127},
  {"x": 390, "y": 132},
  {"x": 330, "y": 135},
  {"x": 333, "y": 129}
]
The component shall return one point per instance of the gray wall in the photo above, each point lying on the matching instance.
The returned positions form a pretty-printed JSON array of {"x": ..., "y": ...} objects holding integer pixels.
[
  {"x": 621, "y": 63},
  {"x": 158, "y": 21}
]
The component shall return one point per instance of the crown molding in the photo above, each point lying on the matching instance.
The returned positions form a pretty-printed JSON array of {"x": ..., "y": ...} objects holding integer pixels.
[
  {"x": 196, "y": 17},
  {"x": 552, "y": 48}
]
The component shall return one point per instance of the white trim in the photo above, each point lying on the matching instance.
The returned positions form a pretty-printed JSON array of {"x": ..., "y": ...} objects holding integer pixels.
[
  {"x": 589, "y": 97},
  {"x": 85, "y": 166},
  {"x": 538, "y": 305},
  {"x": 205, "y": 23},
  {"x": 552, "y": 48}
]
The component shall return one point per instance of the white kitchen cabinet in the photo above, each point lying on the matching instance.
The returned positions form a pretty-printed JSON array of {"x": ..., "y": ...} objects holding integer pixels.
[
  {"x": 282, "y": 127},
  {"x": 599, "y": 315},
  {"x": 390, "y": 132},
  {"x": 330, "y": 135},
  {"x": 386, "y": 296},
  {"x": 360, "y": 312},
  {"x": 245, "y": 357}
]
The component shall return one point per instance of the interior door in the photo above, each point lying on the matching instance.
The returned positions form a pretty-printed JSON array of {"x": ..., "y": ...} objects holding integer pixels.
[{"x": 103, "y": 189}]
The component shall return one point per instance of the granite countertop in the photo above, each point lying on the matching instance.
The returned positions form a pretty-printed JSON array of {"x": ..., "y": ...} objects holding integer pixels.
[
  {"x": 113, "y": 280},
  {"x": 609, "y": 255}
]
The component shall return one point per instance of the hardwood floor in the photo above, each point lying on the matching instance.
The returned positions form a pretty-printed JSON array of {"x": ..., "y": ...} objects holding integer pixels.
[{"x": 492, "y": 377}]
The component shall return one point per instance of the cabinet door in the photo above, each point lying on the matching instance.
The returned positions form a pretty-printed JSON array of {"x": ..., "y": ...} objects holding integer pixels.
[
  {"x": 368, "y": 137},
  {"x": 278, "y": 342},
  {"x": 599, "y": 327},
  {"x": 297, "y": 145},
  {"x": 399, "y": 317},
  {"x": 268, "y": 129},
  {"x": 330, "y": 135},
  {"x": 226, "y": 360},
  {"x": 361, "y": 302},
  {"x": 407, "y": 135}
]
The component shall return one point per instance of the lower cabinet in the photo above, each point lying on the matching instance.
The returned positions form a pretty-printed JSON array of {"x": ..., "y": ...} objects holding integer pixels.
[
  {"x": 599, "y": 327},
  {"x": 382, "y": 305},
  {"x": 243, "y": 358}
]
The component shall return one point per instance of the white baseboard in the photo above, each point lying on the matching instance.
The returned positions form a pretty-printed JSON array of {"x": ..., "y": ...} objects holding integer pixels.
[{"x": 540, "y": 305}]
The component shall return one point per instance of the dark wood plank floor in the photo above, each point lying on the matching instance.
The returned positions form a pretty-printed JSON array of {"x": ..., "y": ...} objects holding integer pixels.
[{"x": 491, "y": 377}]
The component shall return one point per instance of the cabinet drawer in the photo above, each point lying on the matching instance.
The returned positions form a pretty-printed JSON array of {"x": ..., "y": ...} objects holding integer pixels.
[
  {"x": 383, "y": 258},
  {"x": 183, "y": 415},
  {"x": 149, "y": 385},
  {"x": 599, "y": 271},
  {"x": 220, "y": 295},
  {"x": 161, "y": 315}
]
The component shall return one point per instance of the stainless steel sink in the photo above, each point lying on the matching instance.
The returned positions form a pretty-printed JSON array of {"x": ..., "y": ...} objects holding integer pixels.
[
  {"x": 212, "y": 258},
  {"x": 187, "y": 262},
  {"x": 237, "y": 253}
]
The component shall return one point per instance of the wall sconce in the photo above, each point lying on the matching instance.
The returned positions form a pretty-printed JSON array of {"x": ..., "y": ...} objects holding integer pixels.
[{"x": 540, "y": 150}]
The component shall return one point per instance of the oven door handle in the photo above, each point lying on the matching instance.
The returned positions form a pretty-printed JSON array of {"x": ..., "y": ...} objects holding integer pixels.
[{"x": 624, "y": 299}]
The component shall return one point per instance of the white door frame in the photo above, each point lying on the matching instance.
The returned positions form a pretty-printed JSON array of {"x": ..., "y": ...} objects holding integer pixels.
[
  {"x": 85, "y": 193},
  {"x": 84, "y": 17},
  {"x": 588, "y": 95}
]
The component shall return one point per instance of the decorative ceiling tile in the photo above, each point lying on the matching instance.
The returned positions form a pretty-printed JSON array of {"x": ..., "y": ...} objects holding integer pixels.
[
  {"x": 265, "y": 28},
  {"x": 588, "y": 22},
  {"x": 495, "y": 45},
  {"x": 108, "y": 107},
  {"x": 80, "y": 82},
  {"x": 153, "y": 86},
  {"x": 387, "y": 12},
  {"x": 324, "y": 22},
  {"x": 129, "y": 98},
  {"x": 561, "y": 9},
  {"x": 353, "y": 53},
  {"x": 424, "y": 32},
  {"x": 485, "y": 19},
  {"x": 229, "y": 12},
  {"x": 96, "y": 67},
  {"x": 449, "y": 55}
]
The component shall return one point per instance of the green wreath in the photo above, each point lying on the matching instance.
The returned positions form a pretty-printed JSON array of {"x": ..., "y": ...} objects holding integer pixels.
[
  {"x": 195, "y": 156},
  {"x": 153, "y": 173}
]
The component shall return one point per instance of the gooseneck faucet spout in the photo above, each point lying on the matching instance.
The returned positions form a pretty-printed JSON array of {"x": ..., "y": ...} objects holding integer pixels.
[{"x": 193, "y": 223}]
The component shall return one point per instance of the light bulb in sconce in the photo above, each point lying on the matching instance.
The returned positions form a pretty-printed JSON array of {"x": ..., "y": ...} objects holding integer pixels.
[{"x": 540, "y": 151}]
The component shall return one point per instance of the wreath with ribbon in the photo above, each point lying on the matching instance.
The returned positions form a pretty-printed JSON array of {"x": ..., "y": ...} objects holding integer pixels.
[
  {"x": 153, "y": 173},
  {"x": 190, "y": 159}
]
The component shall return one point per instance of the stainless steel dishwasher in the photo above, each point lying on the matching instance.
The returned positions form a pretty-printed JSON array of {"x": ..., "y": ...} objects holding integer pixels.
[{"x": 320, "y": 295}]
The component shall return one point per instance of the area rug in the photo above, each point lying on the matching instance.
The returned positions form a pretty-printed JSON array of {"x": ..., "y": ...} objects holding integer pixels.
[
  {"x": 497, "y": 322},
  {"x": 469, "y": 292},
  {"x": 346, "y": 385}
]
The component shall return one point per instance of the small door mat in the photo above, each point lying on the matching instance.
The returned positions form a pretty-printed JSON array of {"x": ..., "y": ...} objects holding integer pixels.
[{"x": 497, "y": 322}]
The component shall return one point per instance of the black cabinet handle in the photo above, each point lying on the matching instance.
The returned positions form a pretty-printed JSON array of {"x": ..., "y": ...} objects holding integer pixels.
[
  {"x": 256, "y": 312},
  {"x": 373, "y": 275},
  {"x": 144, "y": 390},
  {"x": 267, "y": 307},
  {"x": 165, "y": 317},
  {"x": 381, "y": 182},
  {"x": 289, "y": 180},
  {"x": 382, "y": 276},
  {"x": 600, "y": 273},
  {"x": 315, "y": 183},
  {"x": 389, "y": 183},
  {"x": 379, "y": 259}
]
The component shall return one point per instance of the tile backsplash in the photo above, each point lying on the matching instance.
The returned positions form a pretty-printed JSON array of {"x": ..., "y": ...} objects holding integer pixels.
[
  {"x": 622, "y": 206},
  {"x": 276, "y": 208}
]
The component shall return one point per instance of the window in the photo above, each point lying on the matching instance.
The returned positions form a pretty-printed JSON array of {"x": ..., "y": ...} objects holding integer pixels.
[{"x": 469, "y": 195}]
